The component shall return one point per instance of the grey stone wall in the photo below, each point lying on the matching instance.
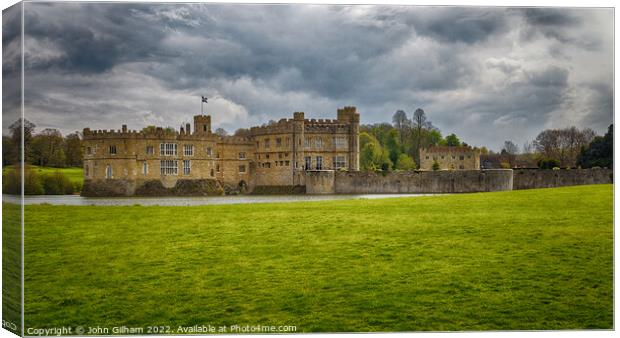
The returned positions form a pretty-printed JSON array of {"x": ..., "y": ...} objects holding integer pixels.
[
  {"x": 455, "y": 181},
  {"x": 122, "y": 187},
  {"x": 538, "y": 178},
  {"x": 320, "y": 182}
]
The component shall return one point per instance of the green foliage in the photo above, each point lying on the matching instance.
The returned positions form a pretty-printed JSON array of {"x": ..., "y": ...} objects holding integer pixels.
[
  {"x": 43, "y": 180},
  {"x": 435, "y": 165},
  {"x": 56, "y": 184},
  {"x": 452, "y": 140},
  {"x": 372, "y": 155},
  {"x": 537, "y": 259},
  {"x": 548, "y": 163},
  {"x": 405, "y": 162},
  {"x": 600, "y": 151}
]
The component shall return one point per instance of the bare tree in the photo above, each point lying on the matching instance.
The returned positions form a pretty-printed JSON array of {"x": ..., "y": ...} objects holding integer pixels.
[
  {"x": 401, "y": 123},
  {"x": 221, "y": 132},
  {"x": 510, "y": 147}
]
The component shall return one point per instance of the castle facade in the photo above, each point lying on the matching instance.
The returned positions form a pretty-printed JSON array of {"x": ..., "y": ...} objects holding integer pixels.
[
  {"x": 450, "y": 158},
  {"x": 156, "y": 161}
]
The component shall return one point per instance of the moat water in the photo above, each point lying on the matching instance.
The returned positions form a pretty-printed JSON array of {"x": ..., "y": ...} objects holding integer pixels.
[{"x": 188, "y": 201}]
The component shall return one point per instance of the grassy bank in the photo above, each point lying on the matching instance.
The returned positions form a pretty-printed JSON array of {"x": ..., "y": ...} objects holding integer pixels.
[
  {"x": 532, "y": 259},
  {"x": 75, "y": 176}
]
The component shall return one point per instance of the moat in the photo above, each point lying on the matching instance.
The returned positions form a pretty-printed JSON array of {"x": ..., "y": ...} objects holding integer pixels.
[{"x": 190, "y": 201}]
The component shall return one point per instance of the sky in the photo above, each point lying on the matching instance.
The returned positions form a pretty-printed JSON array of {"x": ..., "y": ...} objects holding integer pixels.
[{"x": 487, "y": 74}]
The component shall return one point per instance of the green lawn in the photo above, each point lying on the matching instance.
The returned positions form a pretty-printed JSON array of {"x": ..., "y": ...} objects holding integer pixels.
[
  {"x": 531, "y": 259},
  {"x": 75, "y": 174}
]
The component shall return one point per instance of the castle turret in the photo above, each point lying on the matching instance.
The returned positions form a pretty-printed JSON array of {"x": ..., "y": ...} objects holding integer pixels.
[
  {"x": 352, "y": 117},
  {"x": 202, "y": 124}
]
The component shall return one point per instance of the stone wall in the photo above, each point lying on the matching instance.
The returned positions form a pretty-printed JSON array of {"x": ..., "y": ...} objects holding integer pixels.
[
  {"x": 320, "y": 182},
  {"x": 456, "y": 181},
  {"x": 538, "y": 178},
  {"x": 123, "y": 187}
]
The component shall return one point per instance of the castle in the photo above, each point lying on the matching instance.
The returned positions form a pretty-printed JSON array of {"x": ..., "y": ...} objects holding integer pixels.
[
  {"x": 272, "y": 158},
  {"x": 450, "y": 158}
]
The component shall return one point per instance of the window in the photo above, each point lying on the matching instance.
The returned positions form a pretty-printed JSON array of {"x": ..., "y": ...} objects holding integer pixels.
[
  {"x": 168, "y": 149},
  {"x": 266, "y": 143},
  {"x": 188, "y": 150},
  {"x": 339, "y": 162},
  {"x": 86, "y": 173},
  {"x": 267, "y": 156},
  {"x": 108, "y": 171},
  {"x": 242, "y": 168},
  {"x": 287, "y": 163},
  {"x": 287, "y": 142},
  {"x": 461, "y": 157},
  {"x": 209, "y": 152},
  {"x": 280, "y": 155},
  {"x": 186, "y": 167},
  {"x": 217, "y": 168},
  {"x": 453, "y": 157},
  {"x": 340, "y": 142},
  {"x": 112, "y": 150},
  {"x": 461, "y": 166},
  {"x": 168, "y": 167},
  {"x": 308, "y": 162},
  {"x": 267, "y": 165},
  {"x": 242, "y": 155},
  {"x": 145, "y": 168},
  {"x": 150, "y": 150},
  {"x": 319, "y": 163},
  {"x": 87, "y": 150},
  {"x": 278, "y": 142},
  {"x": 427, "y": 157},
  {"x": 318, "y": 142},
  {"x": 212, "y": 173},
  {"x": 307, "y": 142},
  {"x": 442, "y": 157},
  {"x": 217, "y": 155}
]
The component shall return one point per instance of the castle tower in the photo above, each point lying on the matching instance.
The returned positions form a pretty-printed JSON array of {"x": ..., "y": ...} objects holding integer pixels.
[
  {"x": 350, "y": 116},
  {"x": 202, "y": 124},
  {"x": 298, "y": 141}
]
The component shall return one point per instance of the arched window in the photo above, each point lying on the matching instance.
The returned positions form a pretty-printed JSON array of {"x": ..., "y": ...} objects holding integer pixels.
[{"x": 108, "y": 171}]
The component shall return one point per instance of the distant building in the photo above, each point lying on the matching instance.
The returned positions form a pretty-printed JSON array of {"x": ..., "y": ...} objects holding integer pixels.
[
  {"x": 450, "y": 158},
  {"x": 272, "y": 155}
]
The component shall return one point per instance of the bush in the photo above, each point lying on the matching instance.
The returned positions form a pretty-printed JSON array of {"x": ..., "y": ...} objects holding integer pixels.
[
  {"x": 12, "y": 182},
  {"x": 57, "y": 184},
  {"x": 556, "y": 168},
  {"x": 548, "y": 163}
]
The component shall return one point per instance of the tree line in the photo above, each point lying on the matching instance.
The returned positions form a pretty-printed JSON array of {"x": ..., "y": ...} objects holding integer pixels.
[{"x": 47, "y": 148}]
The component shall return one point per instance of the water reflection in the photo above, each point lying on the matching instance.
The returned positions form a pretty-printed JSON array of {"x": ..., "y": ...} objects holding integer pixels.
[{"x": 187, "y": 201}]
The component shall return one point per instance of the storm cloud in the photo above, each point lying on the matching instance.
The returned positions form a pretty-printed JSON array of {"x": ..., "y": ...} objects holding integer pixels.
[{"x": 486, "y": 74}]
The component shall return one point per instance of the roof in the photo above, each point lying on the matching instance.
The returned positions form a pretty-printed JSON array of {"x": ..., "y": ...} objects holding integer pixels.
[{"x": 448, "y": 149}]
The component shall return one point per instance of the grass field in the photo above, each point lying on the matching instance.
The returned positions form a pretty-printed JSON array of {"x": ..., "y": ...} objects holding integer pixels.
[
  {"x": 75, "y": 174},
  {"x": 531, "y": 259}
]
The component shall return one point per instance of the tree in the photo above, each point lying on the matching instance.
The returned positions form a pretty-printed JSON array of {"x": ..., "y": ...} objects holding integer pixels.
[
  {"x": 420, "y": 124},
  {"x": 16, "y": 135},
  {"x": 562, "y": 144},
  {"x": 242, "y": 132},
  {"x": 401, "y": 123},
  {"x": 510, "y": 147},
  {"x": 435, "y": 165},
  {"x": 9, "y": 151},
  {"x": 221, "y": 132},
  {"x": 600, "y": 152},
  {"x": 73, "y": 150},
  {"x": 372, "y": 155},
  {"x": 47, "y": 148},
  {"x": 405, "y": 162},
  {"x": 393, "y": 146},
  {"x": 452, "y": 140}
]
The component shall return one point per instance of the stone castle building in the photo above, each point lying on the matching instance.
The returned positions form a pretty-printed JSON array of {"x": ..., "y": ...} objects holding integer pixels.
[
  {"x": 450, "y": 158},
  {"x": 271, "y": 157}
]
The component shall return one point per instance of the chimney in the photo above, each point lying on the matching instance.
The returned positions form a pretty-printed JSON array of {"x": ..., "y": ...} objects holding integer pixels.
[{"x": 187, "y": 128}]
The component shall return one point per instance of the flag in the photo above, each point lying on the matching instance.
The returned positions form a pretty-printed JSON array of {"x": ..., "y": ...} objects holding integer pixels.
[{"x": 204, "y": 99}]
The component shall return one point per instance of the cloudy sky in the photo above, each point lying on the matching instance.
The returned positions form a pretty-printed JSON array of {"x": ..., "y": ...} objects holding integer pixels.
[{"x": 486, "y": 74}]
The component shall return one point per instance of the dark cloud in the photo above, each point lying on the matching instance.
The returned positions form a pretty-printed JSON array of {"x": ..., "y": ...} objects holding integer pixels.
[{"x": 507, "y": 72}]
